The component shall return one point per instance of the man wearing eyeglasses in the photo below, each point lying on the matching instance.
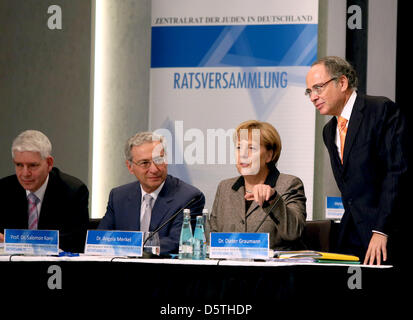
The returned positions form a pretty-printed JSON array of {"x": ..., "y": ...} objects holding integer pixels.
[
  {"x": 366, "y": 141},
  {"x": 146, "y": 204}
]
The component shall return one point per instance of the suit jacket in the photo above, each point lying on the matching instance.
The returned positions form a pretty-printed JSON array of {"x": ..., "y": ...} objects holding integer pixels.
[
  {"x": 124, "y": 206},
  {"x": 65, "y": 207},
  {"x": 284, "y": 224},
  {"x": 374, "y": 167}
]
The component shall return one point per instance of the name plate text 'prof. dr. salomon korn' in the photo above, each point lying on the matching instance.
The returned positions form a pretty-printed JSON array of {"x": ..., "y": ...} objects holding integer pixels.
[{"x": 31, "y": 242}]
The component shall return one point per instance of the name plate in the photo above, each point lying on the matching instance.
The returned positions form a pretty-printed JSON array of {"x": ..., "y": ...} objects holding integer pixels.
[
  {"x": 239, "y": 245},
  {"x": 31, "y": 242},
  {"x": 110, "y": 243},
  {"x": 334, "y": 208}
]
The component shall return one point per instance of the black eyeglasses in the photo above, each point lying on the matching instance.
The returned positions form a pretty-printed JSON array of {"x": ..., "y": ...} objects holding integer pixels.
[{"x": 318, "y": 88}]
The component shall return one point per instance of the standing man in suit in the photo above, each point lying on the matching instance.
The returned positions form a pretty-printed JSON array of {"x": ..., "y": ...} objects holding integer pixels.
[
  {"x": 147, "y": 203},
  {"x": 40, "y": 196},
  {"x": 365, "y": 139}
]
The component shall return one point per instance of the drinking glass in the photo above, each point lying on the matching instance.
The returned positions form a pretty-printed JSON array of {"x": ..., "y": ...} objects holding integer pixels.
[{"x": 152, "y": 243}]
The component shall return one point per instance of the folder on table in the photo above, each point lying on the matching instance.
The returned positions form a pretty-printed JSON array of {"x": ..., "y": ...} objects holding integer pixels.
[{"x": 326, "y": 257}]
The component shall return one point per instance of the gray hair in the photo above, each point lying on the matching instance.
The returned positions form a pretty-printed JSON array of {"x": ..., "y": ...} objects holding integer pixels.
[
  {"x": 33, "y": 141},
  {"x": 338, "y": 67},
  {"x": 141, "y": 138}
]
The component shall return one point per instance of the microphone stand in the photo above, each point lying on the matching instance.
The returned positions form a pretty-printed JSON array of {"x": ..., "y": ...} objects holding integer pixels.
[
  {"x": 273, "y": 205},
  {"x": 147, "y": 255}
]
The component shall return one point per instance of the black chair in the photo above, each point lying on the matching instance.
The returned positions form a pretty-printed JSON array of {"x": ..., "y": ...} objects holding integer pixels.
[
  {"x": 93, "y": 224},
  {"x": 318, "y": 235}
]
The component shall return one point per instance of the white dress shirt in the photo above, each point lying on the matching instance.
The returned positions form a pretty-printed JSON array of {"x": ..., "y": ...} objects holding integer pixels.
[
  {"x": 346, "y": 114},
  {"x": 154, "y": 195}
]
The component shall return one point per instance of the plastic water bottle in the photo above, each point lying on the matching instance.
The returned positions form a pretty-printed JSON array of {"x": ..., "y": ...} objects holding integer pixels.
[
  {"x": 205, "y": 214},
  {"x": 186, "y": 239},
  {"x": 199, "y": 239}
]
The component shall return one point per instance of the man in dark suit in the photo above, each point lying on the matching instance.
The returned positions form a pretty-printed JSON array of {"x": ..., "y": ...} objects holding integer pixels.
[
  {"x": 61, "y": 201},
  {"x": 148, "y": 203},
  {"x": 366, "y": 141}
]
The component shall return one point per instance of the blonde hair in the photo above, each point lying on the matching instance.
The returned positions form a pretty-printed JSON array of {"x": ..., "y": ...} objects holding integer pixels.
[{"x": 269, "y": 136}]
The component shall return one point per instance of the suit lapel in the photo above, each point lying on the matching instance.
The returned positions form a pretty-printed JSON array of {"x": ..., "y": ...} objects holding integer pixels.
[
  {"x": 331, "y": 142},
  {"x": 162, "y": 204},
  {"x": 254, "y": 206},
  {"x": 48, "y": 201},
  {"x": 22, "y": 207},
  {"x": 160, "y": 211},
  {"x": 237, "y": 200},
  {"x": 353, "y": 127},
  {"x": 134, "y": 205}
]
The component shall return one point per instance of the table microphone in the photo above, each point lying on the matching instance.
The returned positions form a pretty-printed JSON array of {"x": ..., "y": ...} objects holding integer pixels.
[
  {"x": 170, "y": 219},
  {"x": 294, "y": 191}
]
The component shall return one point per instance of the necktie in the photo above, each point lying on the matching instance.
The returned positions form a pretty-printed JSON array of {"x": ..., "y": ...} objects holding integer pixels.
[
  {"x": 342, "y": 129},
  {"x": 146, "y": 217},
  {"x": 33, "y": 214}
]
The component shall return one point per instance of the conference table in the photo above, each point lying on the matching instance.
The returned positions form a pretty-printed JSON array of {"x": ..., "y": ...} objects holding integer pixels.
[{"x": 209, "y": 288}]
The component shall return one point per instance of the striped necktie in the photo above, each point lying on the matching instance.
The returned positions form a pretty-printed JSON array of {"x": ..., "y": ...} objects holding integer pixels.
[{"x": 33, "y": 213}]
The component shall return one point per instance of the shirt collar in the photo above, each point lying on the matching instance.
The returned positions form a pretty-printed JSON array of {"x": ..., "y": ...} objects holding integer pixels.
[
  {"x": 348, "y": 108},
  {"x": 153, "y": 194},
  {"x": 39, "y": 193}
]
